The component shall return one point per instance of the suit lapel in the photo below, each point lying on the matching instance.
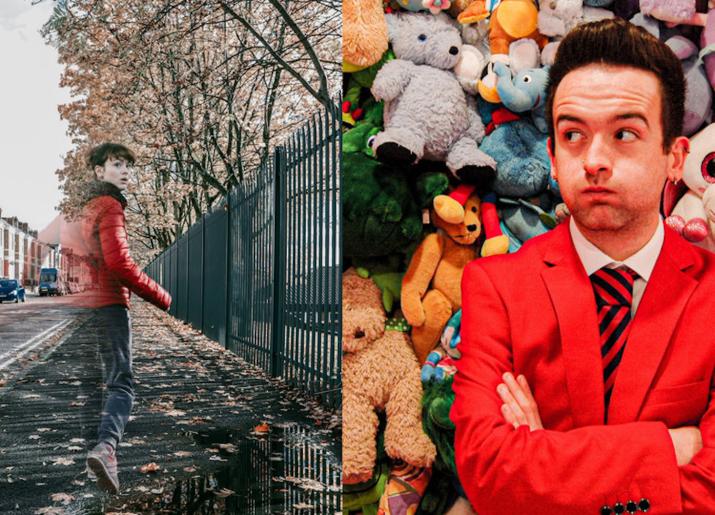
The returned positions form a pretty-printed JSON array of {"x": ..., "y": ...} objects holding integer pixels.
[
  {"x": 572, "y": 297},
  {"x": 663, "y": 302}
]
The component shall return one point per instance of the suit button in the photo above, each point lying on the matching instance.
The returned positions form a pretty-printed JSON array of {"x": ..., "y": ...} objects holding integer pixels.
[
  {"x": 606, "y": 510},
  {"x": 644, "y": 505},
  {"x": 618, "y": 508},
  {"x": 631, "y": 507}
]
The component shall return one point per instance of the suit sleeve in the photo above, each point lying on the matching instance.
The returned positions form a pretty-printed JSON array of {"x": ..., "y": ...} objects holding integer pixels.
[
  {"x": 507, "y": 470},
  {"x": 697, "y": 478},
  {"x": 115, "y": 252}
]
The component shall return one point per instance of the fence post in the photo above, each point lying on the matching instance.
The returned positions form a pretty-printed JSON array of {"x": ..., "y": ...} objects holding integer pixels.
[
  {"x": 228, "y": 272},
  {"x": 279, "y": 262}
]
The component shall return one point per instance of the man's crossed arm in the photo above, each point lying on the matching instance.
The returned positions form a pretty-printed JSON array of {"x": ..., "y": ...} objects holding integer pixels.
[{"x": 520, "y": 409}]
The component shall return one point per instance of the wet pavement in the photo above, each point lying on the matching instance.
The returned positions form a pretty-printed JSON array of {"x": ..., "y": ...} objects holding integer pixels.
[
  {"x": 26, "y": 328},
  {"x": 209, "y": 432}
]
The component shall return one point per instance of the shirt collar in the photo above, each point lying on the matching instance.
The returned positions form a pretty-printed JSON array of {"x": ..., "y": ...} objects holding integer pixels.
[{"x": 642, "y": 262}]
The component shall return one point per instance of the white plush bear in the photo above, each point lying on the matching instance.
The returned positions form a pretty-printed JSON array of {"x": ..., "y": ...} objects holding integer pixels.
[
  {"x": 557, "y": 17},
  {"x": 694, "y": 214},
  {"x": 428, "y": 115}
]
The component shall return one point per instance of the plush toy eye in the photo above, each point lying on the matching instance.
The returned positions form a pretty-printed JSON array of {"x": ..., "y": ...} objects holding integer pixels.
[
  {"x": 422, "y": 37},
  {"x": 527, "y": 78},
  {"x": 707, "y": 167},
  {"x": 370, "y": 141},
  {"x": 474, "y": 209}
]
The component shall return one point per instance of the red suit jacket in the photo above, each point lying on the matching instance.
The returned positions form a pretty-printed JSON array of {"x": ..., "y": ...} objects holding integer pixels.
[{"x": 534, "y": 313}]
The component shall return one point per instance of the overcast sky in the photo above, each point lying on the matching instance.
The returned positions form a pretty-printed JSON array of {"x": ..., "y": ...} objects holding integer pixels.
[{"x": 32, "y": 137}]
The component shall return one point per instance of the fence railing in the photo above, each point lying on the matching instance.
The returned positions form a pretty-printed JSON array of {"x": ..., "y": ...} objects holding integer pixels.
[{"x": 261, "y": 274}]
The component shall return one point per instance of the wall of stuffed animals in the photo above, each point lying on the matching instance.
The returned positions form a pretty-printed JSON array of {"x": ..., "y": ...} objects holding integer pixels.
[{"x": 445, "y": 161}]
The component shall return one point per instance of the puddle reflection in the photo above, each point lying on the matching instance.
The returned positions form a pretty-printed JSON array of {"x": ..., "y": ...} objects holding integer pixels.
[{"x": 288, "y": 470}]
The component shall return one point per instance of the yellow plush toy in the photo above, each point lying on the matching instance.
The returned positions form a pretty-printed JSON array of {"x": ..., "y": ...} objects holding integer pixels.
[
  {"x": 364, "y": 34},
  {"x": 431, "y": 288}
]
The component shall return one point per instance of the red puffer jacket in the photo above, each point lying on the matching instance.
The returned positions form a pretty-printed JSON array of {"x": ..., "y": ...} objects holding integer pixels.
[{"x": 114, "y": 271}]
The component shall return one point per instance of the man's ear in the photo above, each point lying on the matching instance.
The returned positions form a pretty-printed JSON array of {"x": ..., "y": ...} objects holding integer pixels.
[
  {"x": 677, "y": 155},
  {"x": 554, "y": 174}
]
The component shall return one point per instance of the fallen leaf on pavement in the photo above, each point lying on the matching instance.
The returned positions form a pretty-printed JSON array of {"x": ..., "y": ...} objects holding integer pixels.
[
  {"x": 190, "y": 469},
  {"x": 303, "y": 506},
  {"x": 228, "y": 448},
  {"x": 62, "y": 498},
  {"x": 262, "y": 428},
  {"x": 50, "y": 510},
  {"x": 306, "y": 483},
  {"x": 149, "y": 467},
  {"x": 63, "y": 461},
  {"x": 182, "y": 454},
  {"x": 224, "y": 492}
]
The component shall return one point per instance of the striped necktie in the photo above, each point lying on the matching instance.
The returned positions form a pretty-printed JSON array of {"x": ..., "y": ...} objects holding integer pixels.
[{"x": 613, "y": 288}]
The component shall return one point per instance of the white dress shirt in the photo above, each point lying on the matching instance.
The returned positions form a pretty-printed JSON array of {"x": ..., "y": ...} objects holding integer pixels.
[{"x": 642, "y": 262}]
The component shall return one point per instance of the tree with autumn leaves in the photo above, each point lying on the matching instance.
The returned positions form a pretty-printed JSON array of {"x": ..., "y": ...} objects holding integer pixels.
[{"x": 201, "y": 90}]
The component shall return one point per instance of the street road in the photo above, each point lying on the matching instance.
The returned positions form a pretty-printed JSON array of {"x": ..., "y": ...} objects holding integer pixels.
[{"x": 25, "y": 327}]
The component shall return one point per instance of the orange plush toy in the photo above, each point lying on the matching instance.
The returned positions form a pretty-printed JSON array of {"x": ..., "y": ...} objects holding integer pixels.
[
  {"x": 509, "y": 21},
  {"x": 431, "y": 288},
  {"x": 364, "y": 34}
]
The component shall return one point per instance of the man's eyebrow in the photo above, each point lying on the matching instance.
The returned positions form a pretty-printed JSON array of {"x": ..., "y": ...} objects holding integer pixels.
[
  {"x": 622, "y": 116},
  {"x": 629, "y": 116},
  {"x": 568, "y": 118}
]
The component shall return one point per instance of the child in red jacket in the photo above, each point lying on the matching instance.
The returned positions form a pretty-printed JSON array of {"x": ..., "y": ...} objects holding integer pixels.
[{"x": 114, "y": 275}]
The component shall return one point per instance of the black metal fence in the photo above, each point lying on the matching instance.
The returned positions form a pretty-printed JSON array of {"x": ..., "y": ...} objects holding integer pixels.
[{"x": 261, "y": 274}]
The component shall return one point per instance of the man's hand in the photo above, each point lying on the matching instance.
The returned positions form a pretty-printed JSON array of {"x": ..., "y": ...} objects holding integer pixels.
[
  {"x": 687, "y": 442},
  {"x": 519, "y": 406}
]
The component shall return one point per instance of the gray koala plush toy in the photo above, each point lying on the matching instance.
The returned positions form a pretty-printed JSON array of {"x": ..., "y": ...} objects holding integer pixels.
[{"x": 427, "y": 113}]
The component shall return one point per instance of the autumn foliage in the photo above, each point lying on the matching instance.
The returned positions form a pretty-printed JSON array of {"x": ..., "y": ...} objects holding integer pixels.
[{"x": 201, "y": 91}]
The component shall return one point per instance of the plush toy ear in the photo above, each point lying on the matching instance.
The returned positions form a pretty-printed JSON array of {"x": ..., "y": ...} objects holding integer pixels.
[
  {"x": 394, "y": 21},
  {"x": 672, "y": 193},
  {"x": 682, "y": 47}
]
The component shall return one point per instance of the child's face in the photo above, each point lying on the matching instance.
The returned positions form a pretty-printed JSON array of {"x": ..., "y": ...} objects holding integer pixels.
[{"x": 114, "y": 171}]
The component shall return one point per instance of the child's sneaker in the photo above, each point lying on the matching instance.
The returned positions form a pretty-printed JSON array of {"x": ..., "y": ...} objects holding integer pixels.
[{"x": 102, "y": 462}]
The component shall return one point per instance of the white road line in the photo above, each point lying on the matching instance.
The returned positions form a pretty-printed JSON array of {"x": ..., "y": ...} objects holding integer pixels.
[{"x": 31, "y": 344}]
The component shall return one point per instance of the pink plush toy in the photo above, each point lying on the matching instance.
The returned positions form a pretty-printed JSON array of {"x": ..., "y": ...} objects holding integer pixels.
[
  {"x": 690, "y": 203},
  {"x": 707, "y": 46}
]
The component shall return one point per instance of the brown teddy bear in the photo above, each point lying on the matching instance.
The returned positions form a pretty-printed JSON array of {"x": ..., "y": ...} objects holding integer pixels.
[
  {"x": 431, "y": 288},
  {"x": 380, "y": 372}
]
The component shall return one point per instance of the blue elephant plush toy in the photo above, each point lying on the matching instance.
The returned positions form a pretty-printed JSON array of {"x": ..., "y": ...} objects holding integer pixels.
[
  {"x": 519, "y": 149},
  {"x": 525, "y": 92}
]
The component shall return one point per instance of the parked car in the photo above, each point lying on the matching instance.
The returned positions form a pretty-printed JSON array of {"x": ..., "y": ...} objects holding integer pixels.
[
  {"x": 51, "y": 282},
  {"x": 11, "y": 291}
]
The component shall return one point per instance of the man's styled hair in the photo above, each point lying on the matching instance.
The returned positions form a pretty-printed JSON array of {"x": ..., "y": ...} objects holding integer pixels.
[
  {"x": 99, "y": 154},
  {"x": 620, "y": 43}
]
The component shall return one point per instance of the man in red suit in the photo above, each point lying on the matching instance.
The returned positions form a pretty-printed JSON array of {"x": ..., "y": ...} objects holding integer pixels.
[{"x": 586, "y": 380}]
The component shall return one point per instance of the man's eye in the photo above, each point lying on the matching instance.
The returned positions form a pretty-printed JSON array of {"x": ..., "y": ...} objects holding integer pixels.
[
  {"x": 572, "y": 136},
  {"x": 626, "y": 135}
]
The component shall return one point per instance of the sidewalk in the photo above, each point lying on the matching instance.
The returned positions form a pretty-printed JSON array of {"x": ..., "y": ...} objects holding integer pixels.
[{"x": 199, "y": 420}]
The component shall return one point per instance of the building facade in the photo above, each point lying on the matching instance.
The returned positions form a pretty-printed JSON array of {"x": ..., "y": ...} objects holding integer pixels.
[{"x": 22, "y": 255}]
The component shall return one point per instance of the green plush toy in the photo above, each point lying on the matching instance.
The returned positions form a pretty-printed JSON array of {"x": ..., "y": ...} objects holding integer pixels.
[
  {"x": 380, "y": 216},
  {"x": 357, "y": 88},
  {"x": 428, "y": 185},
  {"x": 436, "y": 403},
  {"x": 357, "y": 139}
]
